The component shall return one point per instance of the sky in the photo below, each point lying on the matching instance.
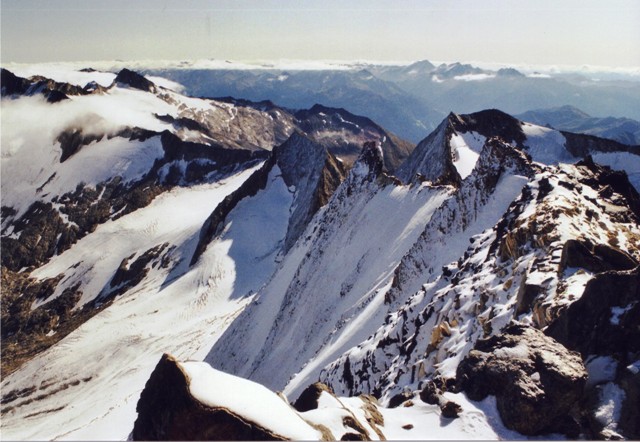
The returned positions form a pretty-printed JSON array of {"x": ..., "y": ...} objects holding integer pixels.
[{"x": 544, "y": 32}]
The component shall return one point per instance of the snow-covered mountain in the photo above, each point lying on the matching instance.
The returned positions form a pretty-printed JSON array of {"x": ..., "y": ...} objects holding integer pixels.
[
  {"x": 412, "y": 99},
  {"x": 296, "y": 247},
  {"x": 572, "y": 119}
]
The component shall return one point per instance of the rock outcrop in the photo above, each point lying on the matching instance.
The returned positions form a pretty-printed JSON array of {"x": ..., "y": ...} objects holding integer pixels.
[
  {"x": 133, "y": 79},
  {"x": 537, "y": 382},
  {"x": 168, "y": 411},
  {"x": 604, "y": 323},
  {"x": 308, "y": 399}
]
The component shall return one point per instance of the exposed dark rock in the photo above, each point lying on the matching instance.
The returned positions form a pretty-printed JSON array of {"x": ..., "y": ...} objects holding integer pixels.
[
  {"x": 360, "y": 433},
  {"x": 136, "y": 134},
  {"x": 604, "y": 321},
  {"x": 183, "y": 122},
  {"x": 130, "y": 274},
  {"x": 73, "y": 139},
  {"x": 599, "y": 258},
  {"x": 616, "y": 258},
  {"x": 167, "y": 411},
  {"x": 26, "y": 331},
  {"x": 399, "y": 399},
  {"x": 629, "y": 381},
  {"x": 618, "y": 181},
  {"x": 432, "y": 159},
  {"x": 42, "y": 233},
  {"x": 135, "y": 80},
  {"x": 583, "y": 145},
  {"x": 591, "y": 325},
  {"x": 308, "y": 399},
  {"x": 55, "y": 96},
  {"x": 431, "y": 394},
  {"x": 490, "y": 123},
  {"x": 353, "y": 436},
  {"x": 351, "y": 132},
  {"x": 450, "y": 409},
  {"x": 372, "y": 157},
  {"x": 12, "y": 84},
  {"x": 315, "y": 174},
  {"x": 537, "y": 382},
  {"x": 527, "y": 293},
  {"x": 177, "y": 149}
]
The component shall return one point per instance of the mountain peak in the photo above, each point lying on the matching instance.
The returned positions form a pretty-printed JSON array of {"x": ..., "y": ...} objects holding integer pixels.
[
  {"x": 298, "y": 157},
  {"x": 509, "y": 72},
  {"x": 370, "y": 162},
  {"x": 12, "y": 84},
  {"x": 134, "y": 80}
]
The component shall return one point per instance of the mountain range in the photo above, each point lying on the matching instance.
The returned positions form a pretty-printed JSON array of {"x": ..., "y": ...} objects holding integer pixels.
[
  {"x": 572, "y": 119},
  {"x": 411, "y": 99},
  {"x": 169, "y": 263}
]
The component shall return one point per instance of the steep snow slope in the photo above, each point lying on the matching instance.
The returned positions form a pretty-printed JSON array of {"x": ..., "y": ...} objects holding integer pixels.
[
  {"x": 436, "y": 295},
  {"x": 356, "y": 242},
  {"x": 111, "y": 355},
  {"x": 303, "y": 311},
  {"x": 142, "y": 265}
]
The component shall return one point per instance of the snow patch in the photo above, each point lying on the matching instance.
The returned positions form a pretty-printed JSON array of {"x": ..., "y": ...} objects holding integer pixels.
[
  {"x": 617, "y": 312},
  {"x": 250, "y": 400},
  {"x": 609, "y": 407},
  {"x": 466, "y": 152},
  {"x": 546, "y": 145},
  {"x": 601, "y": 369}
]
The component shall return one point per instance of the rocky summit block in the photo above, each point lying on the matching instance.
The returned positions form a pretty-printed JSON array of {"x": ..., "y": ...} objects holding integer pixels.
[
  {"x": 536, "y": 381},
  {"x": 168, "y": 411}
]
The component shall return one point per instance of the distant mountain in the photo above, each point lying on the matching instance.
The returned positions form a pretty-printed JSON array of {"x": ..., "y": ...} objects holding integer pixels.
[
  {"x": 570, "y": 118},
  {"x": 360, "y": 92},
  {"x": 412, "y": 99}
]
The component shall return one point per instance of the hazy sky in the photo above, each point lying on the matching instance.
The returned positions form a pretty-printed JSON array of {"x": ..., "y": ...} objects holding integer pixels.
[{"x": 575, "y": 32}]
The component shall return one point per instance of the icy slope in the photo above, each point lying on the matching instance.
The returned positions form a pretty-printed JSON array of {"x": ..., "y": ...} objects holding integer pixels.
[{"x": 305, "y": 313}]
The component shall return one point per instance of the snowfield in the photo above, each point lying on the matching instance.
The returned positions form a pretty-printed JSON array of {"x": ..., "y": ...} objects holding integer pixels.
[{"x": 110, "y": 357}]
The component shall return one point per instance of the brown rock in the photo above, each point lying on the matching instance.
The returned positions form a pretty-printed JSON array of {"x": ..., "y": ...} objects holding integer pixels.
[
  {"x": 308, "y": 399},
  {"x": 450, "y": 410},
  {"x": 167, "y": 411},
  {"x": 536, "y": 380}
]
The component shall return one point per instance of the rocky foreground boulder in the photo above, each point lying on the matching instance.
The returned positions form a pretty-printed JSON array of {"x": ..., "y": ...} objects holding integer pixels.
[
  {"x": 603, "y": 325},
  {"x": 537, "y": 382},
  {"x": 171, "y": 409}
]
